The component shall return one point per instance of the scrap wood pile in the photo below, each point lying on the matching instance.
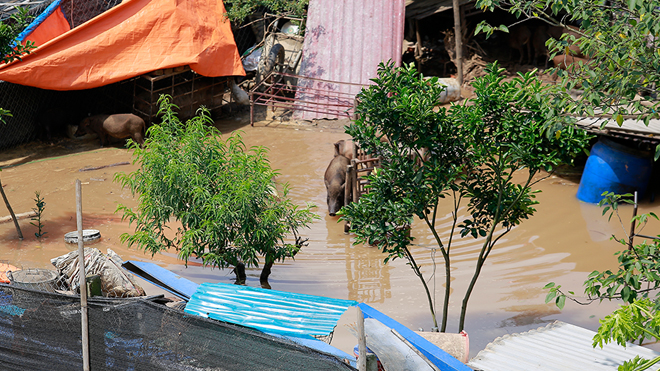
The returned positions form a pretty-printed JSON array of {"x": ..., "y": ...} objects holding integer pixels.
[{"x": 115, "y": 281}]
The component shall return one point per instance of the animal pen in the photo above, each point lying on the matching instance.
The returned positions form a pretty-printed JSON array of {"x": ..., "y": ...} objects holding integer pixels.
[
  {"x": 189, "y": 91},
  {"x": 137, "y": 56},
  {"x": 294, "y": 93},
  {"x": 362, "y": 165}
]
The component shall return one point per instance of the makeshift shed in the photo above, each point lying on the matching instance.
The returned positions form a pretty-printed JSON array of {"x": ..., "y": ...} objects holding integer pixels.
[{"x": 109, "y": 55}]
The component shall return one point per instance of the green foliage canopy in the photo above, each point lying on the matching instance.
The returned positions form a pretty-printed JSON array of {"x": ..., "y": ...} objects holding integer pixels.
[
  {"x": 238, "y": 10},
  {"x": 223, "y": 195},
  {"x": 10, "y": 49},
  {"x": 471, "y": 151},
  {"x": 622, "y": 39}
]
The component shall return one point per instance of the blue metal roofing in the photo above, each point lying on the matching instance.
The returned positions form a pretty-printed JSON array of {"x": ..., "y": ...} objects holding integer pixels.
[
  {"x": 161, "y": 277},
  {"x": 271, "y": 311}
]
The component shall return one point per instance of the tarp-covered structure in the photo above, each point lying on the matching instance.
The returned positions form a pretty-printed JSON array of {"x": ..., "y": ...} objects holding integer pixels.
[{"x": 131, "y": 39}]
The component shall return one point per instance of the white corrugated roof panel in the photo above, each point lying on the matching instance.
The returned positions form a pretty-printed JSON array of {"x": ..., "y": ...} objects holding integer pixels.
[{"x": 559, "y": 346}]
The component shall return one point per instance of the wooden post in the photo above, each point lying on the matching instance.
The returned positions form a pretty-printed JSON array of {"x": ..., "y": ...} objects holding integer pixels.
[
  {"x": 348, "y": 185},
  {"x": 251, "y": 109},
  {"x": 362, "y": 341},
  {"x": 418, "y": 47},
  {"x": 354, "y": 180},
  {"x": 11, "y": 212},
  {"x": 82, "y": 278},
  {"x": 459, "y": 41},
  {"x": 632, "y": 226}
]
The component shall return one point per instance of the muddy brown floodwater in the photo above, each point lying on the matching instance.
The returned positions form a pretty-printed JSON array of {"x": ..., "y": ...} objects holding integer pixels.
[{"x": 563, "y": 242}]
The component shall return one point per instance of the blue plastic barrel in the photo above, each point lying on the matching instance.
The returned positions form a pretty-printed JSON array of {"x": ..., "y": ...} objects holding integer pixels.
[{"x": 613, "y": 167}]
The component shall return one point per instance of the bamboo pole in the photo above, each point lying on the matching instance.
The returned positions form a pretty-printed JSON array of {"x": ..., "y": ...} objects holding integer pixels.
[
  {"x": 459, "y": 41},
  {"x": 11, "y": 212},
  {"x": 82, "y": 281},
  {"x": 362, "y": 342}
]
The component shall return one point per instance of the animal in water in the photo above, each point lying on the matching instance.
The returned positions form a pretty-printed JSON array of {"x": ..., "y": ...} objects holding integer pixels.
[
  {"x": 335, "y": 183},
  {"x": 519, "y": 37},
  {"x": 121, "y": 126},
  {"x": 346, "y": 148}
]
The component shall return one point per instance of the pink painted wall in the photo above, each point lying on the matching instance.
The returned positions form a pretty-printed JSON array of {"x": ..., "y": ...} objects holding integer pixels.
[{"x": 345, "y": 40}]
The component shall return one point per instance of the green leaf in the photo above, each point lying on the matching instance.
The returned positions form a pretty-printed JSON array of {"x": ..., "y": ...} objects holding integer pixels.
[
  {"x": 561, "y": 301},
  {"x": 619, "y": 118},
  {"x": 551, "y": 295}
]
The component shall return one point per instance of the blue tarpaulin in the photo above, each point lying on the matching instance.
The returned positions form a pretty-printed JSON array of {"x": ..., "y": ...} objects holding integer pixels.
[
  {"x": 39, "y": 20},
  {"x": 271, "y": 311}
]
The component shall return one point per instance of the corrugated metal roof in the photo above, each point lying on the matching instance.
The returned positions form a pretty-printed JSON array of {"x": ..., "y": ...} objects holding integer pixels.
[
  {"x": 271, "y": 311},
  {"x": 629, "y": 126},
  {"x": 558, "y": 346},
  {"x": 418, "y": 9},
  {"x": 345, "y": 40}
]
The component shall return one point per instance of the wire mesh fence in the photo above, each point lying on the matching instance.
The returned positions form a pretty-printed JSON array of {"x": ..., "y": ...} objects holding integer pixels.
[
  {"x": 42, "y": 331},
  {"x": 41, "y": 114}
]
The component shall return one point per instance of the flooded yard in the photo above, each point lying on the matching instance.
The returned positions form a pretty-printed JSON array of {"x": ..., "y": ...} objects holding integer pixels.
[{"x": 563, "y": 242}]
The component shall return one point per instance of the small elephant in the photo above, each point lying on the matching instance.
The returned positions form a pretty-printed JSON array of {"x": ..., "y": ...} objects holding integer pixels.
[
  {"x": 335, "y": 182},
  {"x": 346, "y": 148},
  {"x": 121, "y": 126}
]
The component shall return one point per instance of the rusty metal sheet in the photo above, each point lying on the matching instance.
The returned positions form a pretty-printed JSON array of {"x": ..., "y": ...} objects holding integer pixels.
[{"x": 345, "y": 40}]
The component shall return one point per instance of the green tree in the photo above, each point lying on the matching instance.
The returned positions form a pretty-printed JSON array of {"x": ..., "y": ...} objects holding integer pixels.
[
  {"x": 11, "y": 50},
  {"x": 636, "y": 279},
  {"x": 469, "y": 152},
  {"x": 622, "y": 40},
  {"x": 223, "y": 196},
  {"x": 238, "y": 10}
]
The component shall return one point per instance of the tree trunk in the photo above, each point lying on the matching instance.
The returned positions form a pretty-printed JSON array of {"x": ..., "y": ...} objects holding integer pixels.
[
  {"x": 265, "y": 273},
  {"x": 241, "y": 277},
  {"x": 458, "y": 34},
  {"x": 11, "y": 212}
]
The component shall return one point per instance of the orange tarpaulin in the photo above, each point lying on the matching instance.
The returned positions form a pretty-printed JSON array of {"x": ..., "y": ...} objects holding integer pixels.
[
  {"x": 53, "y": 26},
  {"x": 133, "y": 38}
]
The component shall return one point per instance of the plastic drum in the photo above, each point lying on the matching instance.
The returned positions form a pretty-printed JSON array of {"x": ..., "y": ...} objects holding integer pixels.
[{"x": 612, "y": 167}]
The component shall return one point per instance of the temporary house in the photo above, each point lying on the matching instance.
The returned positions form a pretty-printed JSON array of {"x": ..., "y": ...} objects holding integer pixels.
[{"x": 119, "y": 60}]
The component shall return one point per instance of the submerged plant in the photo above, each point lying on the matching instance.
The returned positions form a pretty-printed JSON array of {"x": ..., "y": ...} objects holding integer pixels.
[{"x": 39, "y": 210}]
